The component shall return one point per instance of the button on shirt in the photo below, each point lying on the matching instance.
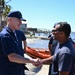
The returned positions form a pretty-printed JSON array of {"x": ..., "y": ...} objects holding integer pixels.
[{"x": 9, "y": 45}]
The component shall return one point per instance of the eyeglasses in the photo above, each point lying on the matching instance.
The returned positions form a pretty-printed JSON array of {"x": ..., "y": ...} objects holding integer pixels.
[{"x": 56, "y": 31}]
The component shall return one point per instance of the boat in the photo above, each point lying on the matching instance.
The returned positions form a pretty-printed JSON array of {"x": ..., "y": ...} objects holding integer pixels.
[
  {"x": 43, "y": 37},
  {"x": 37, "y": 52}
]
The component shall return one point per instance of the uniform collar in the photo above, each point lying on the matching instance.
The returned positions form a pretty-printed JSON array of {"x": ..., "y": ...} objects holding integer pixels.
[{"x": 9, "y": 30}]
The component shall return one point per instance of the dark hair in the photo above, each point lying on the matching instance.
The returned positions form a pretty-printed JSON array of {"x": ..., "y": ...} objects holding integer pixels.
[{"x": 65, "y": 27}]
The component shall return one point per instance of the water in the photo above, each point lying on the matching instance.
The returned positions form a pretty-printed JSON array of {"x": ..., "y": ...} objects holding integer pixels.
[
  {"x": 42, "y": 34},
  {"x": 38, "y": 43}
]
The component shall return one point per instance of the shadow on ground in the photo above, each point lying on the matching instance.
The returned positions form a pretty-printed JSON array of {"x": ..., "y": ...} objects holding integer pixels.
[{"x": 33, "y": 70}]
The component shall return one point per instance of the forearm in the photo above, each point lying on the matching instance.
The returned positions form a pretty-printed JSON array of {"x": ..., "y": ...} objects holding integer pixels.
[
  {"x": 25, "y": 44},
  {"x": 50, "y": 47},
  {"x": 19, "y": 59},
  {"x": 47, "y": 60}
]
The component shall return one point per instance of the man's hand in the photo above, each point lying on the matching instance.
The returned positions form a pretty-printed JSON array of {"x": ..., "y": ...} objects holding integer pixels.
[{"x": 37, "y": 62}]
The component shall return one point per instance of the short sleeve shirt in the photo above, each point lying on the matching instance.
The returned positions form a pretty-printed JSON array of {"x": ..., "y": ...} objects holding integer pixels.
[
  {"x": 54, "y": 44},
  {"x": 9, "y": 45},
  {"x": 51, "y": 40},
  {"x": 64, "y": 59}
]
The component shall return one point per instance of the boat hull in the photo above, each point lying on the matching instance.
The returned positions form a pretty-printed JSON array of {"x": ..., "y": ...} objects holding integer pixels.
[{"x": 37, "y": 52}]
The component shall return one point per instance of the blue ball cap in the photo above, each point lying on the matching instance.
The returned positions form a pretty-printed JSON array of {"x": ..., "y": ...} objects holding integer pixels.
[{"x": 16, "y": 14}]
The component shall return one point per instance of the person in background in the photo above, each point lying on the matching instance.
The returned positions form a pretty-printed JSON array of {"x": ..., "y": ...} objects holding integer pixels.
[
  {"x": 52, "y": 46},
  {"x": 50, "y": 35},
  {"x": 63, "y": 59},
  {"x": 12, "y": 60},
  {"x": 52, "y": 42},
  {"x": 72, "y": 41}
]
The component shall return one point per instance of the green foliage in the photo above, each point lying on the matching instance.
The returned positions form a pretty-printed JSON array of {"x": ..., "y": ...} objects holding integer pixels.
[{"x": 6, "y": 10}]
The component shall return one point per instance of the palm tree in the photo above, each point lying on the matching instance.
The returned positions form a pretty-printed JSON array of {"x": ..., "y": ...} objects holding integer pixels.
[{"x": 6, "y": 10}]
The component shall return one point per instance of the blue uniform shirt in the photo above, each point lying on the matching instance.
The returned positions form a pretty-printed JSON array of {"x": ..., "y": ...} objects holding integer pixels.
[
  {"x": 21, "y": 37},
  {"x": 64, "y": 59},
  {"x": 54, "y": 44},
  {"x": 8, "y": 45}
]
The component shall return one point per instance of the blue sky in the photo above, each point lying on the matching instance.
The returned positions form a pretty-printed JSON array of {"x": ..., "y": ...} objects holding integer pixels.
[{"x": 44, "y": 13}]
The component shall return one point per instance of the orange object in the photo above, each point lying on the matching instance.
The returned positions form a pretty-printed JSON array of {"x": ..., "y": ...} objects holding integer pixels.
[{"x": 37, "y": 52}]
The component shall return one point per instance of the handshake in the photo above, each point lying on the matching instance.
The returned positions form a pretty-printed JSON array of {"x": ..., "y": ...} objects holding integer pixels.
[{"x": 37, "y": 62}]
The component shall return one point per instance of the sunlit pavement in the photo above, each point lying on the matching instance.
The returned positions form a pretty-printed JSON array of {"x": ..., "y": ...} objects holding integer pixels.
[{"x": 33, "y": 70}]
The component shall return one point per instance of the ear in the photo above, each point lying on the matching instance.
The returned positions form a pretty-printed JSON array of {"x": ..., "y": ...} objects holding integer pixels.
[{"x": 61, "y": 33}]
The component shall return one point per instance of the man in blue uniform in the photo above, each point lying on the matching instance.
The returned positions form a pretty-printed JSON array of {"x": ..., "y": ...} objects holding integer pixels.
[
  {"x": 12, "y": 61},
  {"x": 63, "y": 60},
  {"x": 52, "y": 45}
]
